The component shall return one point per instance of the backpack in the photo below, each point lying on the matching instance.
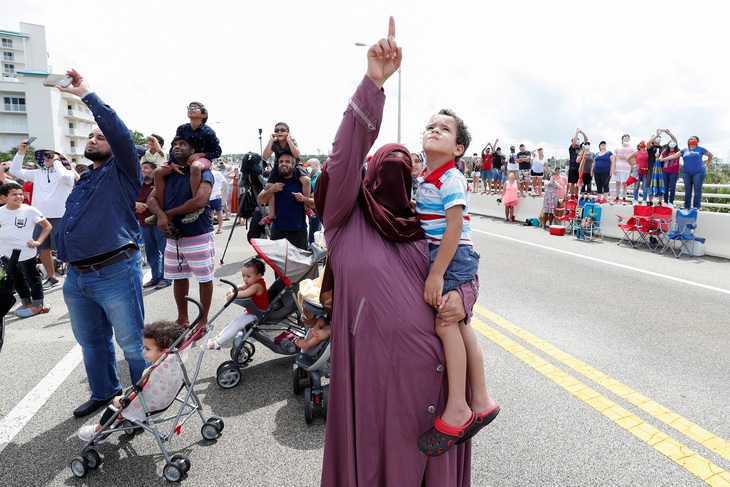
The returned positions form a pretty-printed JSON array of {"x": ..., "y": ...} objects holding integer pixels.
[
  {"x": 251, "y": 167},
  {"x": 247, "y": 205}
]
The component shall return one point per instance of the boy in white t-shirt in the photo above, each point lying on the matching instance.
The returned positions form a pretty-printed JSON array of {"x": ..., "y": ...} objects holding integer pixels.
[{"x": 17, "y": 221}]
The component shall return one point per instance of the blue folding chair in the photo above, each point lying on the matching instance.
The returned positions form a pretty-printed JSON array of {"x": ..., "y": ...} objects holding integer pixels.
[
  {"x": 589, "y": 227},
  {"x": 682, "y": 232}
]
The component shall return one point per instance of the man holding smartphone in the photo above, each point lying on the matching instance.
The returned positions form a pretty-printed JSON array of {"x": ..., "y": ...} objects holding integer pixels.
[
  {"x": 98, "y": 238},
  {"x": 52, "y": 184}
]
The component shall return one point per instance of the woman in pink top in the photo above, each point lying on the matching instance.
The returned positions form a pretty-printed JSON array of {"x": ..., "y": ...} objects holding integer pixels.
[
  {"x": 621, "y": 167},
  {"x": 388, "y": 379},
  {"x": 671, "y": 173},
  {"x": 640, "y": 158}
]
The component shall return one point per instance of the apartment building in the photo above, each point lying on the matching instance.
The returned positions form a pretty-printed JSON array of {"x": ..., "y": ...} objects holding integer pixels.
[{"x": 59, "y": 121}]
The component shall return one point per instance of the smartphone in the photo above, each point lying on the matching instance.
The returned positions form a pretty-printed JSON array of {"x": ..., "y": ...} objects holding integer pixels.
[
  {"x": 58, "y": 80},
  {"x": 31, "y": 140}
]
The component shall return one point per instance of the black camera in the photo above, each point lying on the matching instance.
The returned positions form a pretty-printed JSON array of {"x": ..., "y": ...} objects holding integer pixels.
[{"x": 173, "y": 233}]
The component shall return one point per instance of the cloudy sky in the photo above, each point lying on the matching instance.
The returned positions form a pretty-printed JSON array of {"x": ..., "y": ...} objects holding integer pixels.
[{"x": 523, "y": 71}]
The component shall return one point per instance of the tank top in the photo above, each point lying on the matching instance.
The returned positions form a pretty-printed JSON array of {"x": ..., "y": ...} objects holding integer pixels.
[
  {"x": 261, "y": 301},
  {"x": 642, "y": 162}
]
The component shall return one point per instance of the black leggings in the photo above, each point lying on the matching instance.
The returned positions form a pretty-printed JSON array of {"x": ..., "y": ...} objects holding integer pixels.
[{"x": 602, "y": 180}]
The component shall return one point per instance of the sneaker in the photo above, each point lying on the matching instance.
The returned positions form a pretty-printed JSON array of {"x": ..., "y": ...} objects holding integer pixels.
[
  {"x": 86, "y": 433},
  {"x": 151, "y": 220},
  {"x": 191, "y": 217},
  {"x": 50, "y": 282},
  {"x": 623, "y": 202}
]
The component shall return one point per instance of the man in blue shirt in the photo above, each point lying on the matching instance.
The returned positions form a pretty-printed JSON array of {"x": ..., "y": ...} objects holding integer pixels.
[
  {"x": 192, "y": 252},
  {"x": 290, "y": 222},
  {"x": 98, "y": 238}
]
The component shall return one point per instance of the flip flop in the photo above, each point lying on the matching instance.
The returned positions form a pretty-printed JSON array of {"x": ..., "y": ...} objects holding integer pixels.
[
  {"x": 480, "y": 421},
  {"x": 441, "y": 437}
]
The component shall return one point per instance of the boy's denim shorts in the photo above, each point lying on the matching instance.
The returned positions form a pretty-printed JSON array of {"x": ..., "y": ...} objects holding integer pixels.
[{"x": 462, "y": 269}]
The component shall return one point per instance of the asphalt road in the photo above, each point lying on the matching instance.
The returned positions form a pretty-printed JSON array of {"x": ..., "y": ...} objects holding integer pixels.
[{"x": 599, "y": 355}]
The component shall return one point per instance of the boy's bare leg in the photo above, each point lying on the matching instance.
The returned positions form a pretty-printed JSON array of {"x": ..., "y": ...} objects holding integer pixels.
[
  {"x": 457, "y": 412},
  {"x": 481, "y": 401}
]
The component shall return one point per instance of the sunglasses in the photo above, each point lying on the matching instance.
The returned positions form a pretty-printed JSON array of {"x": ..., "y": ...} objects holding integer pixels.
[
  {"x": 194, "y": 107},
  {"x": 48, "y": 156},
  {"x": 276, "y": 131}
]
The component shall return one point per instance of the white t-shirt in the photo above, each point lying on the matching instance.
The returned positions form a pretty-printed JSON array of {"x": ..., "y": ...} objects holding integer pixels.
[
  {"x": 51, "y": 187},
  {"x": 16, "y": 230},
  {"x": 220, "y": 180},
  {"x": 512, "y": 166}
]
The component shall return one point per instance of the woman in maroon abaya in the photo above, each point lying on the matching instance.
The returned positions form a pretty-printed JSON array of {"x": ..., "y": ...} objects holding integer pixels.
[{"x": 388, "y": 379}]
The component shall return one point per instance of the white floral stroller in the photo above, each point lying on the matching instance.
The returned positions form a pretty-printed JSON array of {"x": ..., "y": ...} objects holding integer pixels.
[
  {"x": 292, "y": 265},
  {"x": 145, "y": 406}
]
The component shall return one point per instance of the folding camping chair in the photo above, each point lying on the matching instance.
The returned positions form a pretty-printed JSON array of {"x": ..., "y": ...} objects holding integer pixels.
[
  {"x": 682, "y": 231},
  {"x": 660, "y": 221},
  {"x": 631, "y": 226}
]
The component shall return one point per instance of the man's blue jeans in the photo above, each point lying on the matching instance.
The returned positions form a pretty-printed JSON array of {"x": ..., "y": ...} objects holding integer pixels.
[
  {"x": 693, "y": 184},
  {"x": 154, "y": 248},
  {"x": 102, "y": 304}
]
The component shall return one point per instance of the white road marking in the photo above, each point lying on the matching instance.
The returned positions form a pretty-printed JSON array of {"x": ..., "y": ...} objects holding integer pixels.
[
  {"x": 35, "y": 399},
  {"x": 601, "y": 261}
]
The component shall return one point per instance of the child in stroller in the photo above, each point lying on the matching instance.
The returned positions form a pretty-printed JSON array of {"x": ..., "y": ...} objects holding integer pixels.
[
  {"x": 156, "y": 338},
  {"x": 253, "y": 287}
]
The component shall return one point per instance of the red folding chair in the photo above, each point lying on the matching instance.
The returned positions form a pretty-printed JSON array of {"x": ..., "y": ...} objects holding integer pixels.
[
  {"x": 570, "y": 213},
  {"x": 660, "y": 222},
  {"x": 631, "y": 225}
]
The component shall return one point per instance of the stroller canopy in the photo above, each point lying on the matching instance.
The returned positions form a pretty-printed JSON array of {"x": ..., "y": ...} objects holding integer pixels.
[{"x": 290, "y": 263}]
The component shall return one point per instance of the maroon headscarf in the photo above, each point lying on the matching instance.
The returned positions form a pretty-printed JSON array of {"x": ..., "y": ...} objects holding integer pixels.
[
  {"x": 385, "y": 196},
  {"x": 385, "y": 200}
]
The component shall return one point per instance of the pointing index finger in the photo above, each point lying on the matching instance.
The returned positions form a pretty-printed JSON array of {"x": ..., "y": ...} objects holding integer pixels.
[{"x": 391, "y": 27}]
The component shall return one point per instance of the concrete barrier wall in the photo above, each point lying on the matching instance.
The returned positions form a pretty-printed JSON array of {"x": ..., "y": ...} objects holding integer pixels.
[{"x": 714, "y": 227}]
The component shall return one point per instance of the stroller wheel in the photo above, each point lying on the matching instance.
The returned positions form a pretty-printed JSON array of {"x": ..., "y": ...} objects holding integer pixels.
[
  {"x": 79, "y": 467},
  {"x": 228, "y": 375},
  {"x": 308, "y": 413},
  {"x": 325, "y": 398},
  {"x": 209, "y": 431},
  {"x": 182, "y": 461},
  {"x": 300, "y": 379},
  {"x": 217, "y": 422},
  {"x": 93, "y": 459},
  {"x": 245, "y": 354},
  {"x": 172, "y": 472}
]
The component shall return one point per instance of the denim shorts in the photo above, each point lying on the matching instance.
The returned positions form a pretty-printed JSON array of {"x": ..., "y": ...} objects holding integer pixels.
[{"x": 463, "y": 267}]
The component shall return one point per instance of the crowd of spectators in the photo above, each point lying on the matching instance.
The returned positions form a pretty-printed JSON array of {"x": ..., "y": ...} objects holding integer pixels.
[{"x": 651, "y": 167}]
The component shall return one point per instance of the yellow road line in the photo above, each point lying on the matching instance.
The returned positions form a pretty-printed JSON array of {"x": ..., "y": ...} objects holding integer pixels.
[
  {"x": 688, "y": 428},
  {"x": 699, "y": 466}
]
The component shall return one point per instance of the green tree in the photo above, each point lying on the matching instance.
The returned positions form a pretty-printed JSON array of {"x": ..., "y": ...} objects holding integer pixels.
[
  {"x": 139, "y": 137},
  {"x": 29, "y": 155}
]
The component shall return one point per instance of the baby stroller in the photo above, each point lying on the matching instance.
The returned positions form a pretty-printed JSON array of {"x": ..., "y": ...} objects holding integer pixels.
[
  {"x": 292, "y": 265},
  {"x": 145, "y": 405},
  {"x": 311, "y": 365}
]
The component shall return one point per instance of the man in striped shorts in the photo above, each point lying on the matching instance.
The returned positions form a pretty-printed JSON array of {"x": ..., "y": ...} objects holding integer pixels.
[{"x": 190, "y": 250}]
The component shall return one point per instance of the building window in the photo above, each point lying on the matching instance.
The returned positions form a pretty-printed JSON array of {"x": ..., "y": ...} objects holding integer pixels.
[
  {"x": 13, "y": 104},
  {"x": 9, "y": 69},
  {"x": 7, "y": 43},
  {"x": 8, "y": 56},
  {"x": 73, "y": 144}
]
